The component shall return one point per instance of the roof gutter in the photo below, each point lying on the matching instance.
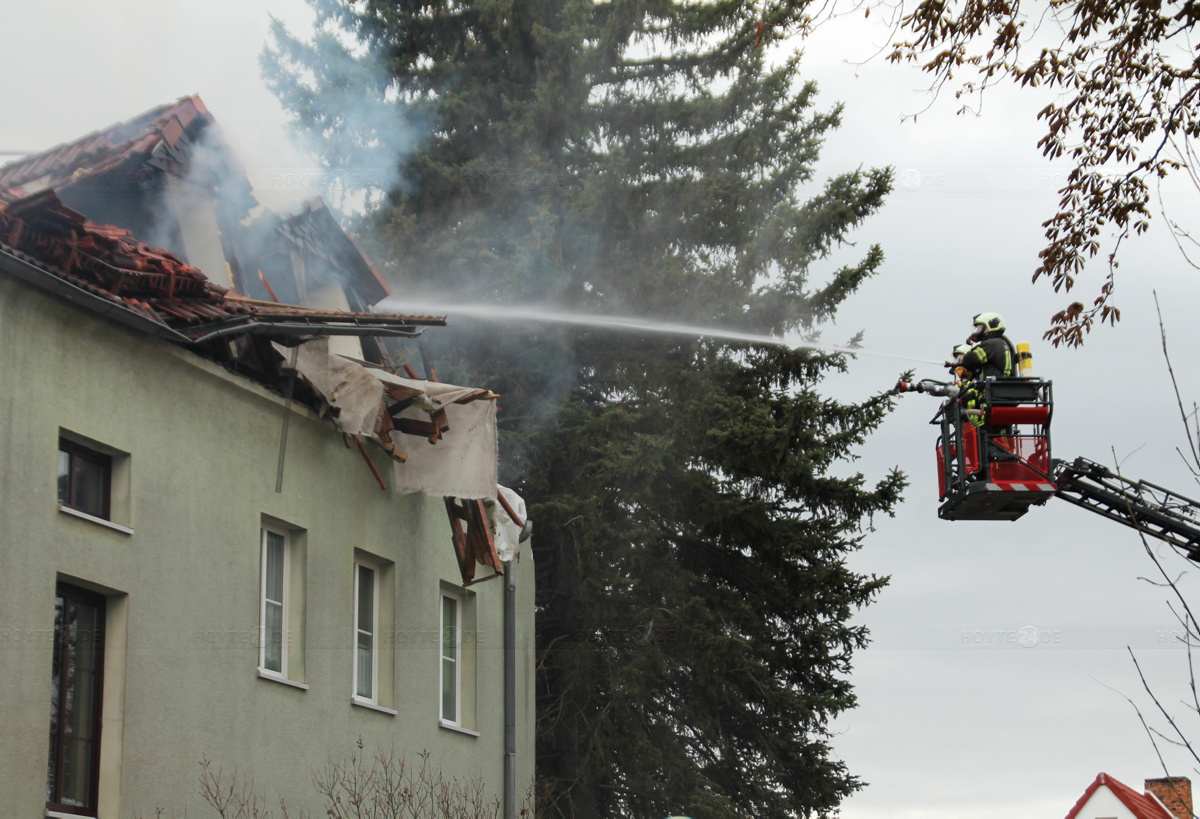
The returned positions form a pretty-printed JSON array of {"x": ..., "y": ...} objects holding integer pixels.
[
  {"x": 20, "y": 268},
  {"x": 17, "y": 266},
  {"x": 301, "y": 328}
]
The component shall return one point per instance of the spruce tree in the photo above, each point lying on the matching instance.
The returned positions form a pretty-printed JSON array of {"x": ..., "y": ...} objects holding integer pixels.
[{"x": 692, "y": 506}]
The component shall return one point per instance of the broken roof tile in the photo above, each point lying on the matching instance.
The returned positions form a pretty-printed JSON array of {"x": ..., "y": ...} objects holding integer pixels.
[
  {"x": 136, "y": 140},
  {"x": 151, "y": 282},
  {"x": 163, "y": 140}
]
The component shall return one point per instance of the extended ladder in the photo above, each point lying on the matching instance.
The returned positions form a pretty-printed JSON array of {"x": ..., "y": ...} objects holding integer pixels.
[{"x": 1144, "y": 506}]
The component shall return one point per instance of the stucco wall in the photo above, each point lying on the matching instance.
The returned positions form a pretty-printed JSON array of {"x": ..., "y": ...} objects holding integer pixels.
[{"x": 183, "y": 588}]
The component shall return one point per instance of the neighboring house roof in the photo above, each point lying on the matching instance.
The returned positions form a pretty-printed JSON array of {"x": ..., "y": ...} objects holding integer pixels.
[{"x": 1142, "y": 805}]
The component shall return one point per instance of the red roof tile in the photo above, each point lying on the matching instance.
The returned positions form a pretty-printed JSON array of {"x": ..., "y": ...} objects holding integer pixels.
[
  {"x": 149, "y": 137},
  {"x": 109, "y": 262},
  {"x": 151, "y": 143},
  {"x": 1142, "y": 805},
  {"x": 104, "y": 259}
]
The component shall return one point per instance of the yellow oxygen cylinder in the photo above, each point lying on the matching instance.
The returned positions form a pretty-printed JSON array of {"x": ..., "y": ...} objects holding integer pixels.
[{"x": 1024, "y": 360}]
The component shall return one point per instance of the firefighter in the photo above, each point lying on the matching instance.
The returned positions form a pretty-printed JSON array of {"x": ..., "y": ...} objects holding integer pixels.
[
  {"x": 991, "y": 355},
  {"x": 956, "y": 363}
]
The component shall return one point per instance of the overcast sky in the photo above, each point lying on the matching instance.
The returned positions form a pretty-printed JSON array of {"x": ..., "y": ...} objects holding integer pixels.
[{"x": 961, "y": 714}]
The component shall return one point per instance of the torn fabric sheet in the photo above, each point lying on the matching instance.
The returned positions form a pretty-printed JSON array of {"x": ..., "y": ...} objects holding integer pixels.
[
  {"x": 461, "y": 463},
  {"x": 346, "y": 386},
  {"x": 508, "y": 531}
]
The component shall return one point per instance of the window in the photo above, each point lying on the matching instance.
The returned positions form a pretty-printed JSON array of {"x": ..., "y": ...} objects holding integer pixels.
[
  {"x": 72, "y": 776},
  {"x": 93, "y": 481},
  {"x": 366, "y": 631},
  {"x": 84, "y": 479},
  {"x": 457, "y": 660},
  {"x": 374, "y": 632},
  {"x": 281, "y": 604},
  {"x": 272, "y": 647},
  {"x": 451, "y": 659}
]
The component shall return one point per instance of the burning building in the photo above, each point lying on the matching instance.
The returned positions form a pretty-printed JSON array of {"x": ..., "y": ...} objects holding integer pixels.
[{"x": 241, "y": 518}]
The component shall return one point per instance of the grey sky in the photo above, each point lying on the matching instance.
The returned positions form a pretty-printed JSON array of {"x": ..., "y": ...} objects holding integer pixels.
[
  {"x": 960, "y": 716},
  {"x": 995, "y": 684}
]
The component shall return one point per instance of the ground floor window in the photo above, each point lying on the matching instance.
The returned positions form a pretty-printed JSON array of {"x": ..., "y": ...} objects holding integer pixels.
[{"x": 76, "y": 686}]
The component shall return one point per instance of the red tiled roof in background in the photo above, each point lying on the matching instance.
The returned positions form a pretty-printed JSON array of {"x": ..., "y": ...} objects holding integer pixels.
[{"x": 1143, "y": 805}]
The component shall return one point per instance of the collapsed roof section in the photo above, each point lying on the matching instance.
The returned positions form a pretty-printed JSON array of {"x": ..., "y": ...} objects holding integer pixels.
[
  {"x": 129, "y": 153},
  {"x": 107, "y": 268},
  {"x": 409, "y": 419},
  {"x": 320, "y": 254},
  {"x": 170, "y": 178}
]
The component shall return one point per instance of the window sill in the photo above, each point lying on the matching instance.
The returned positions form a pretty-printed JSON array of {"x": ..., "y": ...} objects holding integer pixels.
[
  {"x": 53, "y": 814},
  {"x": 361, "y": 703},
  {"x": 450, "y": 726},
  {"x": 276, "y": 677},
  {"x": 125, "y": 530}
]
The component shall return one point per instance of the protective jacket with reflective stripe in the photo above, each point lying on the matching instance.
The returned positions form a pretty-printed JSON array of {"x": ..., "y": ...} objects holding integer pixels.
[{"x": 994, "y": 357}]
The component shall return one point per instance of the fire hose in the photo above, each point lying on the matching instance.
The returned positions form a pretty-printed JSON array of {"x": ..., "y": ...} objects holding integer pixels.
[{"x": 930, "y": 387}]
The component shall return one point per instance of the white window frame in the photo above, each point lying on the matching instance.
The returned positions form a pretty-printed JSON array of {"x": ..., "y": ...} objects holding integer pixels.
[
  {"x": 456, "y": 722},
  {"x": 359, "y": 565},
  {"x": 282, "y": 672}
]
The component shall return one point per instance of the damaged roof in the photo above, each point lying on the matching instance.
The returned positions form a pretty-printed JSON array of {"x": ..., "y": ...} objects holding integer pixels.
[
  {"x": 314, "y": 230},
  {"x": 110, "y": 222},
  {"x": 152, "y": 285},
  {"x": 159, "y": 138},
  {"x": 147, "y": 175}
]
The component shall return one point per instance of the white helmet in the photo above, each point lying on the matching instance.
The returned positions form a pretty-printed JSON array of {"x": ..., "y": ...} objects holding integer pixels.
[{"x": 990, "y": 322}]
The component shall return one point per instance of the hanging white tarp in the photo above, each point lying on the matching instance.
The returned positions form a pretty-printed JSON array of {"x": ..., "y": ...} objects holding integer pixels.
[
  {"x": 461, "y": 460},
  {"x": 462, "y": 464},
  {"x": 508, "y": 531}
]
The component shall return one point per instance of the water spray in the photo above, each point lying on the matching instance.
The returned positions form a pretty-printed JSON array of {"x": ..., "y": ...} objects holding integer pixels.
[{"x": 506, "y": 314}]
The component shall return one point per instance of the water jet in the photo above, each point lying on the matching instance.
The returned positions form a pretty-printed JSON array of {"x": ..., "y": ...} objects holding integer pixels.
[{"x": 508, "y": 314}]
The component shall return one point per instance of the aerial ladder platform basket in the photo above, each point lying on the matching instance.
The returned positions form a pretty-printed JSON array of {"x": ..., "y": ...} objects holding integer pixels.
[{"x": 994, "y": 463}]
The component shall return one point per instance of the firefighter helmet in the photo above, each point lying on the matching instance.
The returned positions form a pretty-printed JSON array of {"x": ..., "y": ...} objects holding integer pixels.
[
  {"x": 961, "y": 350},
  {"x": 991, "y": 322}
]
